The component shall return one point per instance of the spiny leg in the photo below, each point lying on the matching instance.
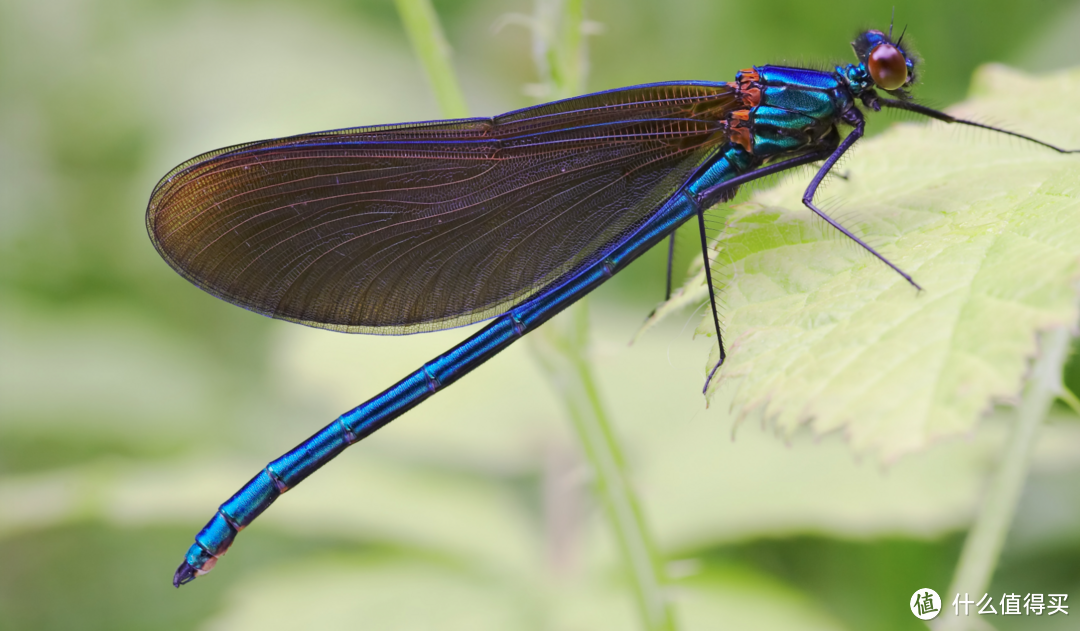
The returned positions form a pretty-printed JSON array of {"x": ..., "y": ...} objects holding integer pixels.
[
  {"x": 948, "y": 118},
  {"x": 670, "y": 260},
  {"x": 712, "y": 295},
  {"x": 808, "y": 196},
  {"x": 723, "y": 192}
]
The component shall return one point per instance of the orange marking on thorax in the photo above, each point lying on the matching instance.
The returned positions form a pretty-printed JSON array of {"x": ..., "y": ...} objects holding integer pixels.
[
  {"x": 746, "y": 88},
  {"x": 747, "y": 76},
  {"x": 741, "y": 136},
  {"x": 750, "y": 97}
]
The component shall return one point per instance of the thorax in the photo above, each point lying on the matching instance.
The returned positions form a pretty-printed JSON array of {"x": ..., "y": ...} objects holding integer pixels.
[{"x": 786, "y": 110}]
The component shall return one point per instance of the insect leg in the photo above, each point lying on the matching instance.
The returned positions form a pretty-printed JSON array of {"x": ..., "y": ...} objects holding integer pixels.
[
  {"x": 948, "y": 118},
  {"x": 712, "y": 295},
  {"x": 670, "y": 260},
  {"x": 723, "y": 192},
  {"x": 808, "y": 195},
  {"x": 726, "y": 190}
]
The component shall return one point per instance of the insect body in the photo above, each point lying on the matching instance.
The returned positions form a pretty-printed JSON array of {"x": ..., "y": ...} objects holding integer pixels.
[{"x": 406, "y": 228}]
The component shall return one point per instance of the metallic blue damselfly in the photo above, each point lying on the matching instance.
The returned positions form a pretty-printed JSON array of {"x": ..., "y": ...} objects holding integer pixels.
[{"x": 421, "y": 226}]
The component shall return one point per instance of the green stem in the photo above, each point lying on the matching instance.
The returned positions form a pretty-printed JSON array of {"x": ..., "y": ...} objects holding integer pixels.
[
  {"x": 560, "y": 348},
  {"x": 560, "y": 345},
  {"x": 433, "y": 51},
  {"x": 569, "y": 66},
  {"x": 987, "y": 535},
  {"x": 1070, "y": 399}
]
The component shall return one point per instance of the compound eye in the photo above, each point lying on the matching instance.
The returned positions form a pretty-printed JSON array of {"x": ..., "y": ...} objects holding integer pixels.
[{"x": 888, "y": 67}]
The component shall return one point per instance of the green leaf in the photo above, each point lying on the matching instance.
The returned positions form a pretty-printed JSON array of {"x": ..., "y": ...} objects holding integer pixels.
[{"x": 820, "y": 333}]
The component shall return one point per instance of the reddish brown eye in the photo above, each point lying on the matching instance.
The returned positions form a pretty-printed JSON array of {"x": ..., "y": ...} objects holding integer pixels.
[{"x": 887, "y": 66}]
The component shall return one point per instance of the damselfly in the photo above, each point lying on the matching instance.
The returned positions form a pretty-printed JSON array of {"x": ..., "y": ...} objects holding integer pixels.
[{"x": 421, "y": 226}]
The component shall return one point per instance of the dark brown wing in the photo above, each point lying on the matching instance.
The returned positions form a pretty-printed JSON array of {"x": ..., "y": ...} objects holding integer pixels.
[{"x": 406, "y": 228}]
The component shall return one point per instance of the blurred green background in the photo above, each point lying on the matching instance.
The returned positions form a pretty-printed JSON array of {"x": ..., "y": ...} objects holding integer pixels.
[{"x": 132, "y": 404}]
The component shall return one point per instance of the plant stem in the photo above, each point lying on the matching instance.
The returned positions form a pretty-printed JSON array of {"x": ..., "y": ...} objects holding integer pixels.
[
  {"x": 433, "y": 51},
  {"x": 560, "y": 345},
  {"x": 987, "y": 536},
  {"x": 1070, "y": 399}
]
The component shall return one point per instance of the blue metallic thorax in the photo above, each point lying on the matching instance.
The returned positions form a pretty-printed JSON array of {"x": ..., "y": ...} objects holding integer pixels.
[{"x": 795, "y": 109}]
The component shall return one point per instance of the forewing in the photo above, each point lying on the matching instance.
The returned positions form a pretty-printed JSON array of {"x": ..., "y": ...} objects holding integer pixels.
[{"x": 415, "y": 227}]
